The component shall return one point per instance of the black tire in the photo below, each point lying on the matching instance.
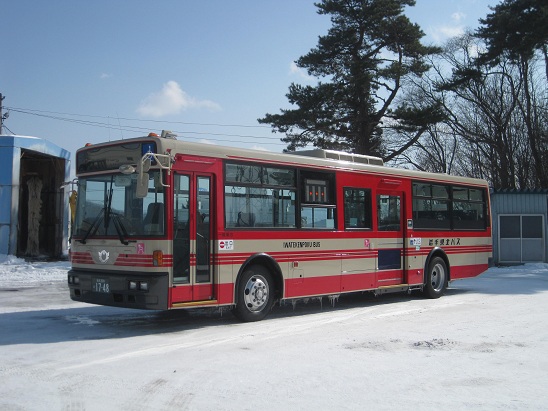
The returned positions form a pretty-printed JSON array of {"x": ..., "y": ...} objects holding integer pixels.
[
  {"x": 437, "y": 278},
  {"x": 254, "y": 295}
]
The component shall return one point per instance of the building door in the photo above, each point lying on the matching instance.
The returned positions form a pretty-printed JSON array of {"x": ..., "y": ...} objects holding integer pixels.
[
  {"x": 521, "y": 238},
  {"x": 192, "y": 234}
]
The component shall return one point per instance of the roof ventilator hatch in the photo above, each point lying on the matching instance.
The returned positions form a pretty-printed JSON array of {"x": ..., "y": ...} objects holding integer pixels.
[{"x": 340, "y": 156}]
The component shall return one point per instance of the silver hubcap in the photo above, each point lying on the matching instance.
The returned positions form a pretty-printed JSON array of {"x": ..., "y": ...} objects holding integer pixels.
[
  {"x": 256, "y": 293},
  {"x": 437, "y": 279}
]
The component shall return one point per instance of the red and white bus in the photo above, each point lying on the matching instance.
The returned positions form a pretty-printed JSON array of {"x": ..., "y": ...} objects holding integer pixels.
[{"x": 164, "y": 224}]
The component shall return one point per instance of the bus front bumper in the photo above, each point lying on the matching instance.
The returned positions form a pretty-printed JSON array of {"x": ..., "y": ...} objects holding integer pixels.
[{"x": 120, "y": 289}]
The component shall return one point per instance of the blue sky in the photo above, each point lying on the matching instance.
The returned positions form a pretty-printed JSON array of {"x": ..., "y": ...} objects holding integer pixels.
[{"x": 206, "y": 69}]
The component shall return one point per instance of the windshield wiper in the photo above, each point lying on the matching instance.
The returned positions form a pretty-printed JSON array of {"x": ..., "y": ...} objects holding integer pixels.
[
  {"x": 120, "y": 229},
  {"x": 106, "y": 215},
  {"x": 108, "y": 204},
  {"x": 94, "y": 226}
]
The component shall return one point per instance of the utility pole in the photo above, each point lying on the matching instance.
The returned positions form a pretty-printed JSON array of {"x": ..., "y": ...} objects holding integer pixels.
[{"x": 2, "y": 118}]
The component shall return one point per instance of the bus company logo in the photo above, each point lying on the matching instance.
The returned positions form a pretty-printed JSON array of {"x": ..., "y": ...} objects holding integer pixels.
[
  {"x": 443, "y": 241},
  {"x": 301, "y": 244},
  {"x": 103, "y": 256}
]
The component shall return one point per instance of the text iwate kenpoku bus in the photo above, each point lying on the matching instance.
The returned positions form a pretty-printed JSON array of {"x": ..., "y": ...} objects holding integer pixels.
[{"x": 163, "y": 224}]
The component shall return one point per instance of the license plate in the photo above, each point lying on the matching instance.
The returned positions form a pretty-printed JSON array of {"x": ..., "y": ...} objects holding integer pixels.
[{"x": 100, "y": 285}]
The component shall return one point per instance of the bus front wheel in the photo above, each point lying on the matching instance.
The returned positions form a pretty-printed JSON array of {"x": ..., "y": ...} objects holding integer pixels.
[
  {"x": 436, "y": 278},
  {"x": 254, "y": 296}
]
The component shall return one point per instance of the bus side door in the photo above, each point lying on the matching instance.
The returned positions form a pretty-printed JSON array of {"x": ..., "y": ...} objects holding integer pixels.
[
  {"x": 390, "y": 243},
  {"x": 192, "y": 234}
]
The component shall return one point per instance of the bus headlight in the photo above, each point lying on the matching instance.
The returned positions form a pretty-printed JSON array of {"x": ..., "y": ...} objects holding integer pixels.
[{"x": 138, "y": 285}]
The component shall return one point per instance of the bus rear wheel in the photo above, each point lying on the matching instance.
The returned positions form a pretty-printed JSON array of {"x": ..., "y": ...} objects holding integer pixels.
[
  {"x": 437, "y": 278},
  {"x": 255, "y": 294}
]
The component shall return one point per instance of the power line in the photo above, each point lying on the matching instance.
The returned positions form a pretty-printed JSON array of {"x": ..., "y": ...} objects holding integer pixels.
[
  {"x": 142, "y": 130},
  {"x": 7, "y": 128},
  {"x": 139, "y": 119}
]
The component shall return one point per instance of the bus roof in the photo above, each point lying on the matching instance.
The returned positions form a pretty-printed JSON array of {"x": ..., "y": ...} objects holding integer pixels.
[{"x": 326, "y": 159}]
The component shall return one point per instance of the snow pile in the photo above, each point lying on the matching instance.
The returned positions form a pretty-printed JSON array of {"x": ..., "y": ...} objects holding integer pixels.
[{"x": 16, "y": 272}]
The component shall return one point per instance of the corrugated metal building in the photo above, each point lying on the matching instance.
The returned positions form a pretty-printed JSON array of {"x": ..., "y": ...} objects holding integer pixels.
[
  {"x": 33, "y": 207},
  {"x": 519, "y": 226}
]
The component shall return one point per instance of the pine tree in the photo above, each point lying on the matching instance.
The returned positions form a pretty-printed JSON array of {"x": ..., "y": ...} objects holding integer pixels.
[
  {"x": 515, "y": 30},
  {"x": 362, "y": 63}
]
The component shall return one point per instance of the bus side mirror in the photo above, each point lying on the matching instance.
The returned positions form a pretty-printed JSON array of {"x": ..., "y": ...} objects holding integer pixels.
[{"x": 141, "y": 191}]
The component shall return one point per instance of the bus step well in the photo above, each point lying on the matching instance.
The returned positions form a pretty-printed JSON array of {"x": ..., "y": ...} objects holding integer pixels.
[{"x": 194, "y": 303}]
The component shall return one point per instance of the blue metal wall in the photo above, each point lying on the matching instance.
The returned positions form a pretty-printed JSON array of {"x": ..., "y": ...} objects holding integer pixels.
[{"x": 11, "y": 148}]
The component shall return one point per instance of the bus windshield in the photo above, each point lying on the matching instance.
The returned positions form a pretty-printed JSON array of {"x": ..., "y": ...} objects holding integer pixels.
[{"x": 108, "y": 207}]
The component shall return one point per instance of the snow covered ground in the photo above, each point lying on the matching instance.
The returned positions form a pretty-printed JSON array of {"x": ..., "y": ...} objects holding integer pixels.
[{"x": 482, "y": 346}]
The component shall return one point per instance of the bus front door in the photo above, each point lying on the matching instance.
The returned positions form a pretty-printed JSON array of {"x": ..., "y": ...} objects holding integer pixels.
[
  {"x": 390, "y": 243},
  {"x": 192, "y": 271}
]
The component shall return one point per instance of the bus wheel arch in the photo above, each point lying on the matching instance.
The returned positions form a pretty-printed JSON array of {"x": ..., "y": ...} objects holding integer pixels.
[
  {"x": 436, "y": 274},
  {"x": 258, "y": 286}
]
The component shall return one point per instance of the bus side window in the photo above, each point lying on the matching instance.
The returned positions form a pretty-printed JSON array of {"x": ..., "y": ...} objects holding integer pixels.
[
  {"x": 357, "y": 208},
  {"x": 259, "y": 196},
  {"x": 388, "y": 213},
  {"x": 318, "y": 217},
  {"x": 317, "y": 200}
]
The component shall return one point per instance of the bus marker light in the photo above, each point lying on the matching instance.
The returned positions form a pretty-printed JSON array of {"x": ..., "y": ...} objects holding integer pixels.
[{"x": 158, "y": 258}]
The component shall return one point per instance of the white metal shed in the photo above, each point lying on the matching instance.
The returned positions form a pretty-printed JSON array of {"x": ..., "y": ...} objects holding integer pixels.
[{"x": 519, "y": 225}]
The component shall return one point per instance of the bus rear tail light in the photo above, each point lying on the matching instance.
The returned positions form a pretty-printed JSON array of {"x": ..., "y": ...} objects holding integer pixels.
[{"x": 158, "y": 258}]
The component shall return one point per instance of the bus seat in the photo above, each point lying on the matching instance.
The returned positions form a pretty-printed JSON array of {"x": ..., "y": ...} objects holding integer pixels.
[
  {"x": 154, "y": 219},
  {"x": 245, "y": 220}
]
